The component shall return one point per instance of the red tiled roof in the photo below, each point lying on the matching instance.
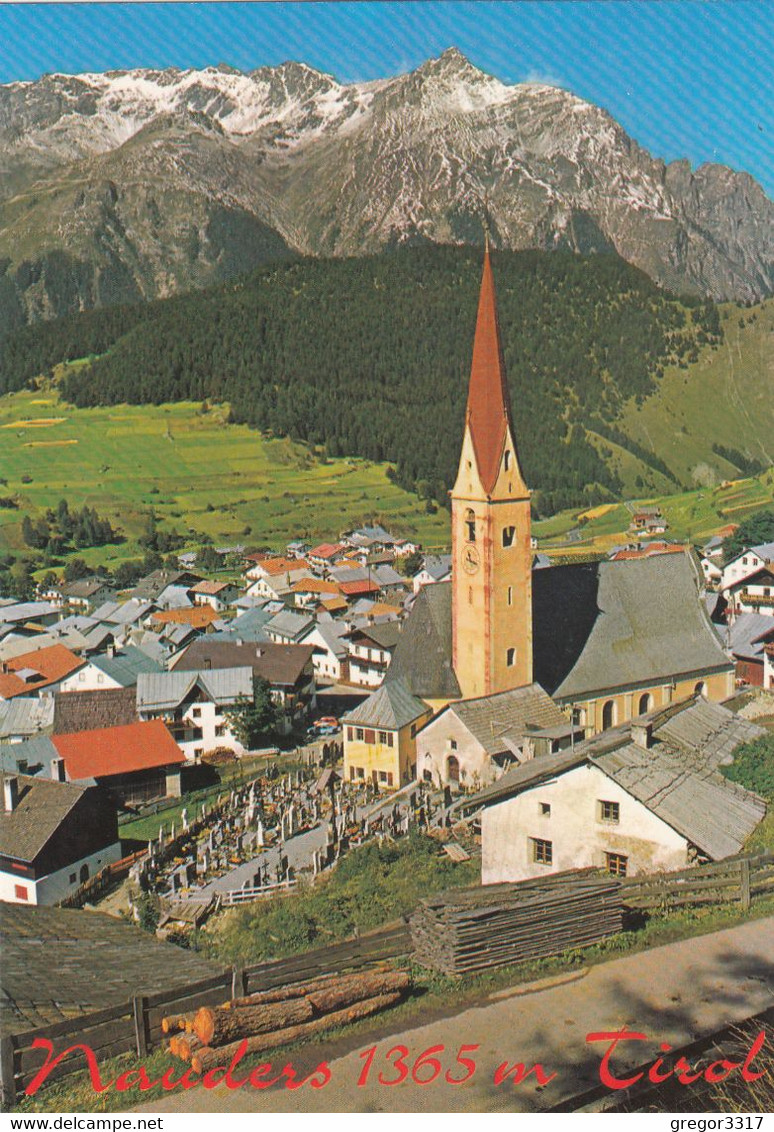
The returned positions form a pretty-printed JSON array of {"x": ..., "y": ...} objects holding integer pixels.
[
  {"x": 648, "y": 551},
  {"x": 207, "y": 587},
  {"x": 274, "y": 566},
  {"x": 53, "y": 664},
  {"x": 326, "y": 550},
  {"x": 315, "y": 585},
  {"x": 117, "y": 750},
  {"x": 359, "y": 587},
  {"x": 488, "y": 411},
  {"x": 197, "y": 616}
]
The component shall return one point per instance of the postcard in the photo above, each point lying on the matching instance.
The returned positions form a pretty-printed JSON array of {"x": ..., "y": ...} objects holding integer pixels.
[{"x": 386, "y": 560}]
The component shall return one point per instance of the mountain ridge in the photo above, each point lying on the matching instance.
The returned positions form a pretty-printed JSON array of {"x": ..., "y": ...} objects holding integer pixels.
[{"x": 316, "y": 167}]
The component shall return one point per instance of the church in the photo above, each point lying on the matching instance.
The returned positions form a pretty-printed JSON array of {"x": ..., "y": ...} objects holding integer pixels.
[{"x": 607, "y": 641}]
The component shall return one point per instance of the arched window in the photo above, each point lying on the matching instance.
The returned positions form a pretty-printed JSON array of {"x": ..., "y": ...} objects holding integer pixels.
[
  {"x": 509, "y": 533},
  {"x": 507, "y": 461},
  {"x": 453, "y": 769},
  {"x": 470, "y": 524},
  {"x": 608, "y": 715},
  {"x": 645, "y": 704},
  {"x": 700, "y": 689},
  {"x": 427, "y": 774},
  {"x": 84, "y": 873}
]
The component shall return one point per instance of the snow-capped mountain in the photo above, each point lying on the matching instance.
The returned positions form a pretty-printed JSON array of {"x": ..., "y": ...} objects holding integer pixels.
[{"x": 137, "y": 183}]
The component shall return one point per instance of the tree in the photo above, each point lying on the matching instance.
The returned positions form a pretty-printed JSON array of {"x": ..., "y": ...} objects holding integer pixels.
[
  {"x": 126, "y": 574},
  {"x": 254, "y": 722},
  {"x": 752, "y": 531},
  {"x": 76, "y": 568},
  {"x": 410, "y": 564}
]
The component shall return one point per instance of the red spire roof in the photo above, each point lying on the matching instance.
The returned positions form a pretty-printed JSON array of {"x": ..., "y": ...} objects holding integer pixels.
[{"x": 489, "y": 409}]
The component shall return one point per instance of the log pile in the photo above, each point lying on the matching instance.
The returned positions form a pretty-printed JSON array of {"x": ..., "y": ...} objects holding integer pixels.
[
  {"x": 274, "y": 1018},
  {"x": 475, "y": 929}
]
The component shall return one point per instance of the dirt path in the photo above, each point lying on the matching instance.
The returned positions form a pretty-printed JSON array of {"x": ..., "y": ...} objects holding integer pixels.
[{"x": 671, "y": 994}]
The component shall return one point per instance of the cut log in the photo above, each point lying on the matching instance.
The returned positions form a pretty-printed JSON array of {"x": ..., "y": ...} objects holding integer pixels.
[
  {"x": 210, "y": 1058},
  {"x": 298, "y": 990},
  {"x": 173, "y": 1045},
  {"x": 175, "y": 1022},
  {"x": 187, "y": 1046},
  {"x": 356, "y": 988},
  {"x": 214, "y": 1027}
]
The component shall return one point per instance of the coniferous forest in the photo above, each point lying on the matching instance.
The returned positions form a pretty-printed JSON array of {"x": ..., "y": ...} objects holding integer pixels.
[{"x": 370, "y": 356}]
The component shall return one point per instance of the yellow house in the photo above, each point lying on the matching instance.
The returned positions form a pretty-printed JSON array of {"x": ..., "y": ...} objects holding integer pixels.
[{"x": 380, "y": 737}]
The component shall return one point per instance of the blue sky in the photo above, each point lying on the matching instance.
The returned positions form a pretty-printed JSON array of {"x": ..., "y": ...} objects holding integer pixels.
[{"x": 684, "y": 78}]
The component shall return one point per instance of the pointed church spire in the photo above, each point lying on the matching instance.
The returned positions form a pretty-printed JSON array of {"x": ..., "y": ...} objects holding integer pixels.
[{"x": 489, "y": 409}]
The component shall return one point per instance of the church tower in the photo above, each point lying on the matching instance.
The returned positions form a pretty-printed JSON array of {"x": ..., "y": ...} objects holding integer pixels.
[{"x": 491, "y": 550}]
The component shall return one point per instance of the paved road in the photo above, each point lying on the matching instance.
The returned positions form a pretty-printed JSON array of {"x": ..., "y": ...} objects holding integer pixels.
[{"x": 672, "y": 994}]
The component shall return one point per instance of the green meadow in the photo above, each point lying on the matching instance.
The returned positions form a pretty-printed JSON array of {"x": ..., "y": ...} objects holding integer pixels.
[{"x": 200, "y": 474}]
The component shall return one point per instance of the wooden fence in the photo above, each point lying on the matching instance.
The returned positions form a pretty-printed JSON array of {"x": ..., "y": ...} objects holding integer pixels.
[
  {"x": 102, "y": 880},
  {"x": 737, "y": 879},
  {"x": 135, "y": 1026}
]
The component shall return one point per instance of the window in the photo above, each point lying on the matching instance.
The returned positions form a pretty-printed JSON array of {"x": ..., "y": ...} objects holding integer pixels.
[
  {"x": 616, "y": 864},
  {"x": 609, "y": 811},
  {"x": 196, "y": 712},
  {"x": 700, "y": 689},
  {"x": 608, "y": 715},
  {"x": 73, "y": 878},
  {"x": 386, "y": 738},
  {"x": 510, "y": 657},
  {"x": 470, "y": 595},
  {"x": 645, "y": 704},
  {"x": 413, "y": 730},
  {"x": 81, "y": 676},
  {"x": 359, "y": 734},
  {"x": 349, "y": 734},
  {"x": 220, "y": 730},
  {"x": 545, "y": 809},
  {"x": 507, "y": 460},
  {"x": 542, "y": 851},
  {"x": 509, "y": 533},
  {"x": 510, "y": 595},
  {"x": 453, "y": 744},
  {"x": 383, "y": 776},
  {"x": 470, "y": 525},
  {"x": 352, "y": 772},
  {"x": 453, "y": 768},
  {"x": 84, "y": 874},
  {"x": 20, "y": 892}
]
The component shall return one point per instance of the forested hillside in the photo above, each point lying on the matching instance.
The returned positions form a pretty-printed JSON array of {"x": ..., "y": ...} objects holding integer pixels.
[{"x": 370, "y": 357}]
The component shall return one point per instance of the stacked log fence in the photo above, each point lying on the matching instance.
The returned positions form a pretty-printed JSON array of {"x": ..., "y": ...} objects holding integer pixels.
[{"x": 475, "y": 929}]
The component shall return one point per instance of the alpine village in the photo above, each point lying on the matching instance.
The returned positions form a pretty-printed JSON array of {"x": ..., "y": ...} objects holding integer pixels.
[{"x": 319, "y": 780}]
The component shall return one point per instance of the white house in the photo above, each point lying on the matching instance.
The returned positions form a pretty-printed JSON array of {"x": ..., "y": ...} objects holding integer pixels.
[
  {"x": 112, "y": 670},
  {"x": 746, "y": 562},
  {"x": 370, "y": 652},
  {"x": 622, "y": 801},
  {"x": 193, "y": 706},
  {"x": 436, "y": 568},
  {"x": 331, "y": 649},
  {"x": 218, "y": 595},
  {"x": 54, "y": 835}
]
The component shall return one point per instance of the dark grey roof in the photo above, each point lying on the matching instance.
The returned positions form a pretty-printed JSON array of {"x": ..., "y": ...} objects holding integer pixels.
[
  {"x": 748, "y": 635},
  {"x": 290, "y": 624},
  {"x": 42, "y": 807},
  {"x": 385, "y": 634},
  {"x": 488, "y": 718},
  {"x": 617, "y": 624},
  {"x": 249, "y": 626},
  {"x": 32, "y": 756},
  {"x": 437, "y": 565},
  {"x": 423, "y": 655},
  {"x": 391, "y": 706},
  {"x": 59, "y": 963},
  {"x": 280, "y": 664},
  {"x": 89, "y": 711}
]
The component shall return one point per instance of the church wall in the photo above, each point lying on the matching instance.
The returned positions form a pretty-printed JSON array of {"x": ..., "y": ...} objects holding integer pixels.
[
  {"x": 434, "y": 749},
  {"x": 579, "y": 837},
  {"x": 717, "y": 687}
]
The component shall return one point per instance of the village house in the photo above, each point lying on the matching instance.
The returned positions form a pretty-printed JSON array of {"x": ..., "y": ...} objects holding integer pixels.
[
  {"x": 748, "y": 561},
  {"x": 27, "y": 616},
  {"x": 648, "y": 520},
  {"x": 471, "y": 742},
  {"x": 380, "y": 737},
  {"x": 200, "y": 617},
  {"x": 645, "y": 550},
  {"x": 218, "y": 595},
  {"x": 167, "y": 589},
  {"x": 645, "y": 797},
  {"x": 436, "y": 568},
  {"x": 752, "y": 594},
  {"x": 23, "y": 718},
  {"x": 288, "y": 628},
  {"x": 746, "y": 639},
  {"x": 768, "y": 668},
  {"x": 114, "y": 669},
  {"x": 39, "y": 672},
  {"x": 289, "y": 670},
  {"x": 323, "y": 556},
  {"x": 370, "y": 652},
  {"x": 331, "y": 649},
  {"x": 54, "y": 835},
  {"x": 90, "y": 711},
  {"x": 287, "y": 569},
  {"x": 85, "y": 593},
  {"x": 135, "y": 762},
  {"x": 193, "y": 706},
  {"x": 309, "y": 592}
]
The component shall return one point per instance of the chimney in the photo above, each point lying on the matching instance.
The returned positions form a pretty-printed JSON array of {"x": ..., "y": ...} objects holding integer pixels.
[
  {"x": 111, "y": 649},
  {"x": 58, "y": 770},
  {"x": 642, "y": 734},
  {"x": 10, "y": 793}
]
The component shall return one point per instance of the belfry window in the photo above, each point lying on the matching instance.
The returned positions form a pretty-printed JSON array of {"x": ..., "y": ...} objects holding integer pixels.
[
  {"x": 509, "y": 533},
  {"x": 507, "y": 461},
  {"x": 470, "y": 525},
  {"x": 510, "y": 657}
]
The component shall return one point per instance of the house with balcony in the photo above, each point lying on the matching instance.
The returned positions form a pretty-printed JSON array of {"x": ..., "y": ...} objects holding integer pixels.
[
  {"x": 193, "y": 705},
  {"x": 370, "y": 652}
]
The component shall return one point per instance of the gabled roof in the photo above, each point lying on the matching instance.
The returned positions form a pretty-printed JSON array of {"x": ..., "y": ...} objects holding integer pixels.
[
  {"x": 210, "y": 588},
  {"x": 87, "y": 711},
  {"x": 154, "y": 584},
  {"x": 437, "y": 566},
  {"x": 42, "y": 807},
  {"x": 282, "y": 665},
  {"x": 125, "y": 666},
  {"x": 423, "y": 655},
  {"x": 117, "y": 750},
  {"x": 197, "y": 616},
  {"x": 289, "y": 624},
  {"x": 385, "y": 634},
  {"x": 488, "y": 413},
  {"x": 708, "y": 733},
  {"x": 163, "y": 691},
  {"x": 605, "y": 625},
  {"x": 25, "y": 716},
  {"x": 511, "y": 713},
  {"x": 326, "y": 550},
  {"x": 392, "y": 706},
  {"x": 748, "y": 634},
  {"x": 14, "y": 612},
  {"x": 52, "y": 664}
]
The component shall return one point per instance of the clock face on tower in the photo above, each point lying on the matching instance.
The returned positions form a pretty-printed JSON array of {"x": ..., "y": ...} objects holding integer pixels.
[{"x": 470, "y": 559}]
